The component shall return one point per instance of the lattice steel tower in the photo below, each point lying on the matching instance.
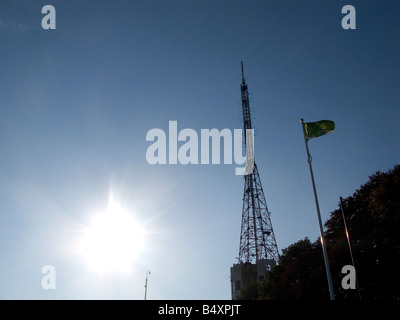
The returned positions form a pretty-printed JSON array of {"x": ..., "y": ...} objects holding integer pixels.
[{"x": 258, "y": 250}]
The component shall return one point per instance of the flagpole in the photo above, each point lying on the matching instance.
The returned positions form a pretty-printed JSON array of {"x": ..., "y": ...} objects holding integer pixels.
[
  {"x": 321, "y": 230},
  {"x": 349, "y": 243}
]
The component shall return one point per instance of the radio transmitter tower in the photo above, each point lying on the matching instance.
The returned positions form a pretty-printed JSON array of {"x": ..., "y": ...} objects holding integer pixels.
[{"x": 258, "y": 250}]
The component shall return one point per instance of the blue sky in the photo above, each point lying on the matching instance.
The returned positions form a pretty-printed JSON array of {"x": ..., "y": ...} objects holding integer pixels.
[{"x": 78, "y": 101}]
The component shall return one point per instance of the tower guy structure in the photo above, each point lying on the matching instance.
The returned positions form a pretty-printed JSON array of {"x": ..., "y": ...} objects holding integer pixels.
[{"x": 258, "y": 250}]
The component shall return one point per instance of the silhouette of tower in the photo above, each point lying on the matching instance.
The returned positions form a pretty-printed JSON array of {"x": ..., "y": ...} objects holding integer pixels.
[{"x": 258, "y": 250}]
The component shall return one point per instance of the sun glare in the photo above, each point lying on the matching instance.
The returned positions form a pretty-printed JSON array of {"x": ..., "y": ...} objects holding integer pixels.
[{"x": 112, "y": 240}]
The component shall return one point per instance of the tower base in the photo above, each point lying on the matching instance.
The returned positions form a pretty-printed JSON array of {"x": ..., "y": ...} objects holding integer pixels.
[{"x": 242, "y": 274}]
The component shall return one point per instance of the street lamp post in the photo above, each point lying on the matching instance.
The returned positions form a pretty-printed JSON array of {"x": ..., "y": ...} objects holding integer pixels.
[{"x": 145, "y": 285}]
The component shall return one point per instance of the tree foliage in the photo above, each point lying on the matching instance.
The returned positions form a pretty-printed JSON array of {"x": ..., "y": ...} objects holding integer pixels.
[{"x": 372, "y": 216}]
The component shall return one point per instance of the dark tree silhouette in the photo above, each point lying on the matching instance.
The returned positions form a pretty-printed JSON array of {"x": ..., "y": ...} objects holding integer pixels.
[
  {"x": 373, "y": 219},
  {"x": 372, "y": 215}
]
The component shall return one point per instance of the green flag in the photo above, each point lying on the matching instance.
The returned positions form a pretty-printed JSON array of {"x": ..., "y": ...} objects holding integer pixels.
[{"x": 319, "y": 128}]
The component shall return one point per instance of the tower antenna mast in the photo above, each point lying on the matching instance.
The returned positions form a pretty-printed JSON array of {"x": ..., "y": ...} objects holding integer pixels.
[{"x": 258, "y": 250}]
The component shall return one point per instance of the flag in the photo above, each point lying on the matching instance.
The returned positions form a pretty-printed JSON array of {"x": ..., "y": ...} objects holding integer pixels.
[{"x": 319, "y": 128}]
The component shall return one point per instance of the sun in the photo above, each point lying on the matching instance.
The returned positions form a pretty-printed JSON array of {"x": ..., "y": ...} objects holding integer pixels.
[{"x": 112, "y": 240}]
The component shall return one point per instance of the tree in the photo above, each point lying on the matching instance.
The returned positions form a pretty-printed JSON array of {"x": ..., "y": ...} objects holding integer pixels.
[
  {"x": 249, "y": 292},
  {"x": 372, "y": 216},
  {"x": 299, "y": 274},
  {"x": 373, "y": 219}
]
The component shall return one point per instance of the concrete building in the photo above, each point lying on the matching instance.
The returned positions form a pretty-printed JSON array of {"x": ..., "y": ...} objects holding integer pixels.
[{"x": 242, "y": 274}]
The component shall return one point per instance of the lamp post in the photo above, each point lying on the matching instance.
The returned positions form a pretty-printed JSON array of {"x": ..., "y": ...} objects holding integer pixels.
[{"x": 145, "y": 285}]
